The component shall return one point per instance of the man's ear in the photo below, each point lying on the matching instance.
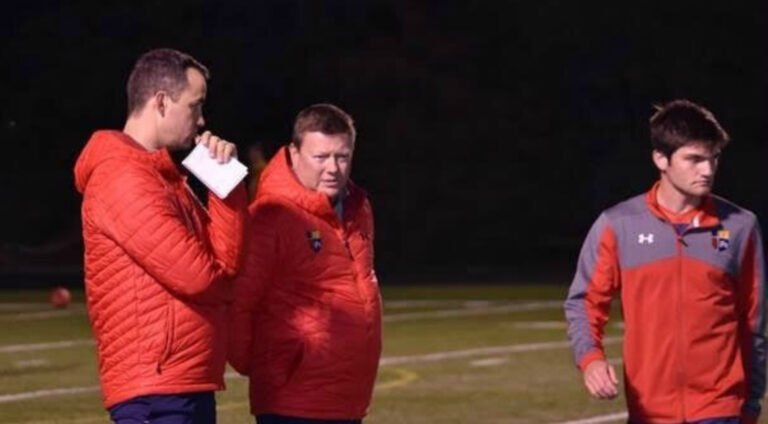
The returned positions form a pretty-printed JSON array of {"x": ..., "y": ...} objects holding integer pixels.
[
  {"x": 293, "y": 150},
  {"x": 660, "y": 160},
  {"x": 160, "y": 99}
]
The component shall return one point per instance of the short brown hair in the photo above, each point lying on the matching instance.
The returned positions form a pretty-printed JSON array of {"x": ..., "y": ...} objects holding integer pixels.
[
  {"x": 682, "y": 122},
  {"x": 325, "y": 118},
  {"x": 160, "y": 70}
]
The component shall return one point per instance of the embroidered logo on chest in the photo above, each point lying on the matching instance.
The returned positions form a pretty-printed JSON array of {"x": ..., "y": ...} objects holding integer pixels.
[
  {"x": 721, "y": 239},
  {"x": 645, "y": 238},
  {"x": 315, "y": 241}
]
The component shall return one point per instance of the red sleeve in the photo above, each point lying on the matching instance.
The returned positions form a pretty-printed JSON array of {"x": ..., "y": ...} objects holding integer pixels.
[
  {"x": 226, "y": 227},
  {"x": 752, "y": 293},
  {"x": 134, "y": 209},
  {"x": 589, "y": 299}
]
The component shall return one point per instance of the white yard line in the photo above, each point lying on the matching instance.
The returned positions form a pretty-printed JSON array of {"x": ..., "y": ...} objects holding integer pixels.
[
  {"x": 489, "y": 362},
  {"x": 473, "y": 310},
  {"x": 15, "y": 397},
  {"x": 385, "y": 362},
  {"x": 483, "y": 351},
  {"x": 31, "y": 363},
  {"x": 45, "y": 346},
  {"x": 538, "y": 325},
  {"x": 610, "y": 418},
  {"x": 54, "y": 313},
  {"x": 464, "y": 303},
  {"x": 22, "y": 306},
  {"x": 32, "y": 311},
  {"x": 451, "y": 313}
]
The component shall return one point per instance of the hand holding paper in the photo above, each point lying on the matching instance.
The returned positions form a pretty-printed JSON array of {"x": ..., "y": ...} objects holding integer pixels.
[{"x": 220, "y": 178}]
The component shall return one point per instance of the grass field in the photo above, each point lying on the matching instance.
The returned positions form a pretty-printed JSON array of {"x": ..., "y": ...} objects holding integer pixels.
[{"x": 454, "y": 354}]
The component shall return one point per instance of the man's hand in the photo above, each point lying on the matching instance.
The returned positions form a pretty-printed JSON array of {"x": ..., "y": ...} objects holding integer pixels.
[
  {"x": 600, "y": 379},
  {"x": 220, "y": 149}
]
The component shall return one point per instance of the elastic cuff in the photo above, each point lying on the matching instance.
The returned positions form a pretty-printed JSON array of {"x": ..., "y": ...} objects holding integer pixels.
[{"x": 589, "y": 357}]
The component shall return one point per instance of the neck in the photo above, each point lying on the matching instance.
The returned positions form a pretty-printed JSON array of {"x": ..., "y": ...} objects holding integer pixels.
[
  {"x": 141, "y": 133},
  {"x": 673, "y": 200}
]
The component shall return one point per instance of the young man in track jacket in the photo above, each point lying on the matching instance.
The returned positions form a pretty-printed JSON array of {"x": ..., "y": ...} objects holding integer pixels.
[{"x": 689, "y": 268}]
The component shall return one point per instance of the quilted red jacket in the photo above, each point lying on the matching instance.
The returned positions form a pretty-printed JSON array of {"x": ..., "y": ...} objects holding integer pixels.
[
  {"x": 157, "y": 270},
  {"x": 306, "y": 317}
]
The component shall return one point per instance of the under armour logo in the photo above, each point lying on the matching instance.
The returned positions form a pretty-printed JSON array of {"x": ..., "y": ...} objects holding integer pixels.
[{"x": 645, "y": 238}]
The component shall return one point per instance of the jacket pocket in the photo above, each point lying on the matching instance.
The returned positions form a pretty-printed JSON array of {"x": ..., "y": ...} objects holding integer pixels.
[
  {"x": 284, "y": 362},
  {"x": 169, "y": 330}
]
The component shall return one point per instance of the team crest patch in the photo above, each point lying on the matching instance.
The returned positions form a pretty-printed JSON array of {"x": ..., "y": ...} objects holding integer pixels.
[
  {"x": 721, "y": 239},
  {"x": 315, "y": 242}
]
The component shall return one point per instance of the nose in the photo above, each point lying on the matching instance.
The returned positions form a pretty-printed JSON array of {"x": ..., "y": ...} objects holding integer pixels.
[
  {"x": 201, "y": 121},
  {"x": 333, "y": 166},
  {"x": 708, "y": 167}
]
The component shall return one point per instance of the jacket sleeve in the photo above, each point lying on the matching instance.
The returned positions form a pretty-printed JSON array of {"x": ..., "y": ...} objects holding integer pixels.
[
  {"x": 226, "y": 228},
  {"x": 589, "y": 299},
  {"x": 141, "y": 216},
  {"x": 262, "y": 255},
  {"x": 752, "y": 295}
]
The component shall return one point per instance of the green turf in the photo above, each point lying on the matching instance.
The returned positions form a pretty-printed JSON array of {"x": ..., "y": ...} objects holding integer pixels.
[{"x": 525, "y": 387}]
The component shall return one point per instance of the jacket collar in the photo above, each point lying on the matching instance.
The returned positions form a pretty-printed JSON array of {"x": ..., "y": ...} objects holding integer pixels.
[
  {"x": 279, "y": 180},
  {"x": 707, "y": 216},
  {"x": 105, "y": 146}
]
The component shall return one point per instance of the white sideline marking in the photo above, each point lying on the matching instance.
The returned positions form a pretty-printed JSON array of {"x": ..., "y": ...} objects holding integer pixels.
[
  {"x": 22, "y": 306},
  {"x": 31, "y": 363},
  {"x": 57, "y": 313},
  {"x": 551, "y": 325},
  {"x": 620, "y": 416},
  {"x": 489, "y": 362},
  {"x": 451, "y": 313},
  {"x": 402, "y": 304},
  {"x": 45, "y": 346},
  {"x": 29, "y": 311},
  {"x": 475, "y": 309},
  {"x": 541, "y": 325},
  {"x": 15, "y": 397},
  {"x": 389, "y": 361},
  {"x": 485, "y": 351}
]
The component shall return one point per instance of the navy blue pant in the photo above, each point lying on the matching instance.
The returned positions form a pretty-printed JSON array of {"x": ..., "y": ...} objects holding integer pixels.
[
  {"x": 185, "y": 408},
  {"x": 280, "y": 419}
]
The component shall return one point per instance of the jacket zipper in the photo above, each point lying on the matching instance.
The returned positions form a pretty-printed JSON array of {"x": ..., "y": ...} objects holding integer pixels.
[
  {"x": 341, "y": 231},
  {"x": 343, "y": 235}
]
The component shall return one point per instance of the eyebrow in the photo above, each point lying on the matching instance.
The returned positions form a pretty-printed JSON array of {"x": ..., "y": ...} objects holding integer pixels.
[{"x": 702, "y": 156}]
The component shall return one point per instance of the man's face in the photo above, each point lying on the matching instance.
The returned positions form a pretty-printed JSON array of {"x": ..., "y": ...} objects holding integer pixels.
[
  {"x": 323, "y": 162},
  {"x": 690, "y": 170},
  {"x": 183, "y": 118}
]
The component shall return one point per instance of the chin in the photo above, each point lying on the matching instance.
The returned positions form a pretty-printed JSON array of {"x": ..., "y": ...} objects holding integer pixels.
[
  {"x": 701, "y": 191},
  {"x": 330, "y": 193}
]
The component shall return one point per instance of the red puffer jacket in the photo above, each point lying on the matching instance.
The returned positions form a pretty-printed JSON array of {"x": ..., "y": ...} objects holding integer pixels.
[
  {"x": 306, "y": 318},
  {"x": 157, "y": 267}
]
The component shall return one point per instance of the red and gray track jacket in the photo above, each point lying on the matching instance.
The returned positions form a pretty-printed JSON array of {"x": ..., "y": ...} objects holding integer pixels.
[{"x": 693, "y": 302}]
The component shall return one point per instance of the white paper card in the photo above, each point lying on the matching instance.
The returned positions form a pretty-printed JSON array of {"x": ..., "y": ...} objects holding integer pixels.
[{"x": 220, "y": 178}]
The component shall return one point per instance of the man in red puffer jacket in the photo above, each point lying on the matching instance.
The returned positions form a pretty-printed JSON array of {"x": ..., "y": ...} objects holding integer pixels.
[
  {"x": 157, "y": 264},
  {"x": 305, "y": 324}
]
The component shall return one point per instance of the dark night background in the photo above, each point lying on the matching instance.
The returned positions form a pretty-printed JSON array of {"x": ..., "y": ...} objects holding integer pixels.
[{"x": 490, "y": 134}]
